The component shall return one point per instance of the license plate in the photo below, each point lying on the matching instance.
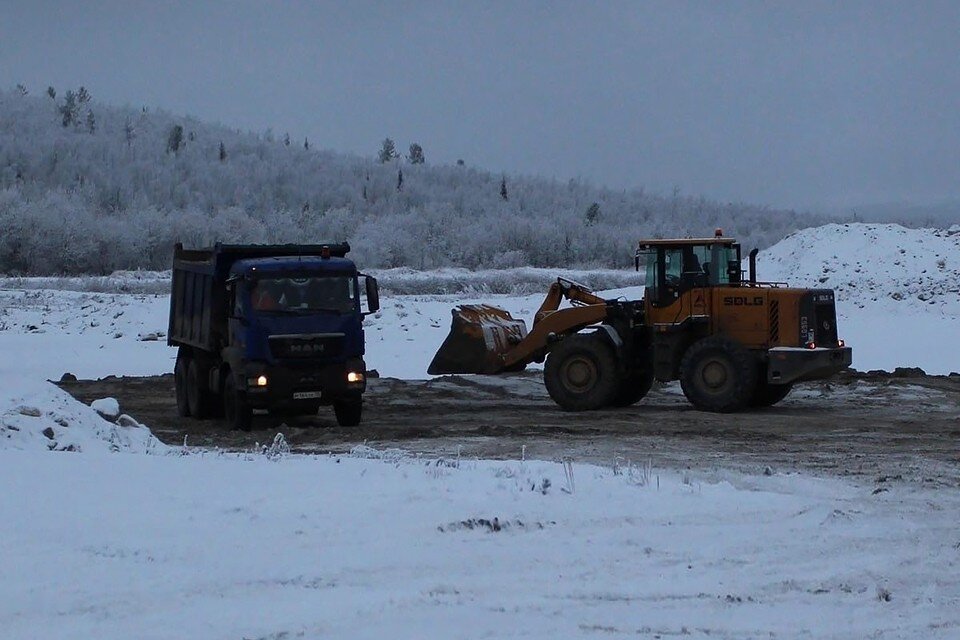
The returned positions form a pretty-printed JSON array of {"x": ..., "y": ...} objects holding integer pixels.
[{"x": 306, "y": 395}]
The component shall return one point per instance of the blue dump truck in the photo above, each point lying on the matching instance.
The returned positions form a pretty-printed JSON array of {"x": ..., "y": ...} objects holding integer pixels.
[{"x": 269, "y": 327}]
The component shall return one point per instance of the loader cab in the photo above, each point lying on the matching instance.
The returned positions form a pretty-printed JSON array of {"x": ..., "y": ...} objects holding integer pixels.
[{"x": 676, "y": 266}]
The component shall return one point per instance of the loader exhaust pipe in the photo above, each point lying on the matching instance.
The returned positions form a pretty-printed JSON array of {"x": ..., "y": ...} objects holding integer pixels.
[{"x": 753, "y": 265}]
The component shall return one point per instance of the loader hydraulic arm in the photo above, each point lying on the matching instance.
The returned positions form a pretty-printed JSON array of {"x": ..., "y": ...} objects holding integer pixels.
[
  {"x": 575, "y": 292},
  {"x": 485, "y": 339}
]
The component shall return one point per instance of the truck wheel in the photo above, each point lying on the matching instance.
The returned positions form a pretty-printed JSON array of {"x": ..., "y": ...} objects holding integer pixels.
[
  {"x": 581, "y": 373},
  {"x": 767, "y": 395},
  {"x": 633, "y": 388},
  {"x": 235, "y": 408},
  {"x": 180, "y": 383},
  {"x": 348, "y": 412},
  {"x": 717, "y": 374},
  {"x": 196, "y": 391}
]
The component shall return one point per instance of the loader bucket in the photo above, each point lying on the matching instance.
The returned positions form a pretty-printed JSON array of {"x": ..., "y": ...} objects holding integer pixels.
[{"x": 480, "y": 335}]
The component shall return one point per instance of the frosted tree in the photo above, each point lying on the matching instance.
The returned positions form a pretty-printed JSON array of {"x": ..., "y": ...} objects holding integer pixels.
[
  {"x": 592, "y": 214},
  {"x": 388, "y": 151},
  {"x": 286, "y": 139},
  {"x": 503, "y": 188},
  {"x": 68, "y": 110},
  {"x": 416, "y": 154},
  {"x": 91, "y": 122},
  {"x": 22, "y": 90},
  {"x": 83, "y": 96},
  {"x": 223, "y": 152},
  {"x": 52, "y": 93},
  {"x": 400, "y": 180},
  {"x": 175, "y": 139},
  {"x": 306, "y": 144},
  {"x": 129, "y": 132}
]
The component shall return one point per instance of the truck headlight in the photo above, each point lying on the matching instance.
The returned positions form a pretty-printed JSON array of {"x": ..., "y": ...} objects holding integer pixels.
[
  {"x": 260, "y": 381},
  {"x": 354, "y": 376}
]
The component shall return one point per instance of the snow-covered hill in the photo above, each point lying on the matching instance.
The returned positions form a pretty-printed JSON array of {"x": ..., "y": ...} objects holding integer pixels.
[
  {"x": 898, "y": 289},
  {"x": 883, "y": 265}
]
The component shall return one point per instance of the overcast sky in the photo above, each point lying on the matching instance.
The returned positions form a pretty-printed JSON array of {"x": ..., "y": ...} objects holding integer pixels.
[{"x": 796, "y": 104}]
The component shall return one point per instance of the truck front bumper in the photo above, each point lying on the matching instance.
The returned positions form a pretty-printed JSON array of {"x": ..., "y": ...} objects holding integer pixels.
[
  {"x": 793, "y": 364},
  {"x": 289, "y": 387}
]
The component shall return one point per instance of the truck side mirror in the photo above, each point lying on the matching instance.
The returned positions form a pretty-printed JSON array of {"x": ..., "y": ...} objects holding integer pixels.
[{"x": 373, "y": 295}]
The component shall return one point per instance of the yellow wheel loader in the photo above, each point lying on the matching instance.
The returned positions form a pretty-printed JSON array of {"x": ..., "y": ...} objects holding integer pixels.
[{"x": 732, "y": 342}]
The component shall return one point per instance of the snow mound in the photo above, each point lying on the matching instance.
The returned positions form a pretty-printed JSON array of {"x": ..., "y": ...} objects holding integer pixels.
[
  {"x": 884, "y": 266},
  {"x": 39, "y": 416}
]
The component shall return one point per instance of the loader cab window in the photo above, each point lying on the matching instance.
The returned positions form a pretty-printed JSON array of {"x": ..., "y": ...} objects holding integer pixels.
[{"x": 672, "y": 271}]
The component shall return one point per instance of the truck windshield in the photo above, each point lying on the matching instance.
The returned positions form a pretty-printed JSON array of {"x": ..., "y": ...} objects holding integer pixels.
[{"x": 304, "y": 295}]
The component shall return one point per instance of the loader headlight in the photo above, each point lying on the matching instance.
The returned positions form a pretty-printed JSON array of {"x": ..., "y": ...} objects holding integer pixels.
[{"x": 354, "y": 376}]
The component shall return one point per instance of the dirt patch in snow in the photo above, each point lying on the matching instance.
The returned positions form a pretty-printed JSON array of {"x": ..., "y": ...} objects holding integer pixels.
[{"x": 867, "y": 425}]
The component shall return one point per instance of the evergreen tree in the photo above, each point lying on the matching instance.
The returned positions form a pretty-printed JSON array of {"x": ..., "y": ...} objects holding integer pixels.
[
  {"x": 592, "y": 214},
  {"x": 91, "y": 122},
  {"x": 416, "y": 154},
  {"x": 400, "y": 180},
  {"x": 306, "y": 144},
  {"x": 52, "y": 93},
  {"x": 460, "y": 162},
  {"x": 175, "y": 139},
  {"x": 286, "y": 139},
  {"x": 68, "y": 110},
  {"x": 503, "y": 188},
  {"x": 388, "y": 151},
  {"x": 129, "y": 133},
  {"x": 83, "y": 96},
  {"x": 22, "y": 90},
  {"x": 223, "y": 152}
]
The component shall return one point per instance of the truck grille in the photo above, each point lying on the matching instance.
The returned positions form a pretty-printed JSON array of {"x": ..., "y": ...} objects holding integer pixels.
[
  {"x": 318, "y": 345},
  {"x": 826, "y": 324}
]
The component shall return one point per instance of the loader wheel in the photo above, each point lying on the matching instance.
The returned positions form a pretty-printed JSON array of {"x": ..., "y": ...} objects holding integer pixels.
[
  {"x": 581, "y": 373},
  {"x": 767, "y": 395},
  {"x": 238, "y": 413},
  {"x": 633, "y": 388},
  {"x": 717, "y": 374},
  {"x": 180, "y": 384},
  {"x": 196, "y": 391}
]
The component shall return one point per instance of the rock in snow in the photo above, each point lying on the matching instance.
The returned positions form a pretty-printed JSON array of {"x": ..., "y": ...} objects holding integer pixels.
[{"x": 108, "y": 408}]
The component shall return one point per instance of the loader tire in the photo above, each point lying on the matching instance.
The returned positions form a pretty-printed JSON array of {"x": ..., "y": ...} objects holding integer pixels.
[
  {"x": 717, "y": 374},
  {"x": 180, "y": 385},
  {"x": 633, "y": 388},
  {"x": 581, "y": 373},
  {"x": 767, "y": 395}
]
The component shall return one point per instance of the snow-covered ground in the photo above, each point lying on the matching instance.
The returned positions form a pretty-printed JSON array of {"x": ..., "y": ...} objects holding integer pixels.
[
  {"x": 206, "y": 546},
  {"x": 128, "y": 538}
]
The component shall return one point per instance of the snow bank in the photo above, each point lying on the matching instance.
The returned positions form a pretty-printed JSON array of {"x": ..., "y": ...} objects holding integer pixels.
[
  {"x": 898, "y": 289},
  {"x": 39, "y": 416},
  {"x": 227, "y": 547}
]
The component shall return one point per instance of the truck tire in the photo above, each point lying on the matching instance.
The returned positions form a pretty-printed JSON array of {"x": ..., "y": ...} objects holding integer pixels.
[
  {"x": 717, "y": 374},
  {"x": 348, "y": 412},
  {"x": 767, "y": 395},
  {"x": 581, "y": 373},
  {"x": 238, "y": 413},
  {"x": 180, "y": 384},
  {"x": 196, "y": 391},
  {"x": 634, "y": 387}
]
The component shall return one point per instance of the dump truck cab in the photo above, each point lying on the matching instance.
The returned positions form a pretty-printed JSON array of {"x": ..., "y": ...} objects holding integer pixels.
[{"x": 276, "y": 328}]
